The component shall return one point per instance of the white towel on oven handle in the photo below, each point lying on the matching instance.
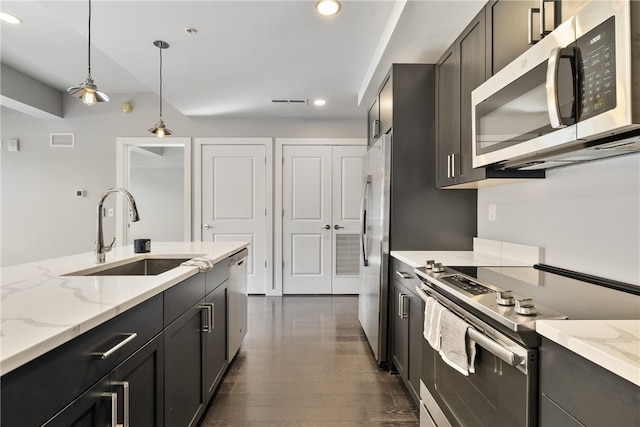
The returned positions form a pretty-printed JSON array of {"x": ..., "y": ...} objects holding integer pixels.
[
  {"x": 456, "y": 350},
  {"x": 432, "y": 314}
]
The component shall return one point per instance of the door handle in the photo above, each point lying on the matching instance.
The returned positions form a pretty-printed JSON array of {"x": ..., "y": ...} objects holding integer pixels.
[
  {"x": 327, "y": 227},
  {"x": 337, "y": 227},
  {"x": 207, "y": 226}
]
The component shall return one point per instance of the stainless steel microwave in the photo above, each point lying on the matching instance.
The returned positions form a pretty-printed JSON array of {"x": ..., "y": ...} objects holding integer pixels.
[{"x": 572, "y": 97}]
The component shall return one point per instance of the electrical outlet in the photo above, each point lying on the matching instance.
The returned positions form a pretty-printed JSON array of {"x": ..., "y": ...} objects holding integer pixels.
[{"x": 492, "y": 212}]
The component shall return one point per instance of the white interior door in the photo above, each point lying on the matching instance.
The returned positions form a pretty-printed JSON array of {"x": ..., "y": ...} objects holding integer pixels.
[
  {"x": 306, "y": 222},
  {"x": 347, "y": 186},
  {"x": 234, "y": 205},
  {"x": 321, "y": 199}
]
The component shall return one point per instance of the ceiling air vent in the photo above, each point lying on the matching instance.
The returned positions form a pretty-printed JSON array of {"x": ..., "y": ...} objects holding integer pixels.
[
  {"x": 290, "y": 101},
  {"x": 66, "y": 140}
]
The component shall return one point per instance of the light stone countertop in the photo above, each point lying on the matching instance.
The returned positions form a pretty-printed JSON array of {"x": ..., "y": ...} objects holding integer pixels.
[
  {"x": 612, "y": 344},
  {"x": 455, "y": 258},
  {"x": 41, "y": 308}
]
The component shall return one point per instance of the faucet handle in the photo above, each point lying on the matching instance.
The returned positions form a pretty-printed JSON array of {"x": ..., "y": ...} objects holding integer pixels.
[{"x": 107, "y": 248}]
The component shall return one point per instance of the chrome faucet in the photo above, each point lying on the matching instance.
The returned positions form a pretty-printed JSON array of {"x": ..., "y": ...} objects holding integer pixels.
[{"x": 133, "y": 212}]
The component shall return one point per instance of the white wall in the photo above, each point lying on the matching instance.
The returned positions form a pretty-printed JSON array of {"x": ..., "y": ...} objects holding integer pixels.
[
  {"x": 157, "y": 184},
  {"x": 41, "y": 217},
  {"x": 587, "y": 217}
]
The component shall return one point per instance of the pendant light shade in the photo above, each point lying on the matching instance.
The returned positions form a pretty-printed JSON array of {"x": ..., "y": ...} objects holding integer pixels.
[
  {"x": 159, "y": 129},
  {"x": 87, "y": 91}
]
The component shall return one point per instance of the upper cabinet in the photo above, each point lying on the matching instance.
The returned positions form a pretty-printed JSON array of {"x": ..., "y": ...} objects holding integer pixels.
[
  {"x": 485, "y": 45},
  {"x": 508, "y": 30},
  {"x": 373, "y": 120}
]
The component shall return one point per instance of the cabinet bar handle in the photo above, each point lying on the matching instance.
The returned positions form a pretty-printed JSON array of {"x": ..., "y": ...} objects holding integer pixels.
[
  {"x": 453, "y": 165},
  {"x": 114, "y": 407},
  {"x": 531, "y": 12},
  {"x": 209, "y": 326},
  {"x": 129, "y": 337},
  {"x": 449, "y": 166},
  {"x": 125, "y": 400},
  {"x": 403, "y": 275},
  {"x": 401, "y": 299}
]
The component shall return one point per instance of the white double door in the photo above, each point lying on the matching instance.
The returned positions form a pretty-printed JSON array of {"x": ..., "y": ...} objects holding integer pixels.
[
  {"x": 321, "y": 219},
  {"x": 234, "y": 203}
]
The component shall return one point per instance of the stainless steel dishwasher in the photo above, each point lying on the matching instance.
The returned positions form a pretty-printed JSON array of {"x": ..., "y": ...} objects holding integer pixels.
[{"x": 237, "y": 301}]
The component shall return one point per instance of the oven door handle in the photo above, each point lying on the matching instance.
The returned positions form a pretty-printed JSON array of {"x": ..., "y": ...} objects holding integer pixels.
[{"x": 494, "y": 347}]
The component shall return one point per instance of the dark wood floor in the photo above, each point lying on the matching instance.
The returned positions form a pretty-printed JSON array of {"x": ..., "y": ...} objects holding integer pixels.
[{"x": 305, "y": 362}]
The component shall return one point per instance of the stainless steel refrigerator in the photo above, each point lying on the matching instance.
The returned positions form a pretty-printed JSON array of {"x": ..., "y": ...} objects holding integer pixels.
[
  {"x": 374, "y": 239},
  {"x": 402, "y": 210}
]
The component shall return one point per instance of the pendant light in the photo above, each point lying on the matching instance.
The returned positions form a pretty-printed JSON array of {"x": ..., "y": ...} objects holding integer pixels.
[
  {"x": 160, "y": 129},
  {"x": 88, "y": 91}
]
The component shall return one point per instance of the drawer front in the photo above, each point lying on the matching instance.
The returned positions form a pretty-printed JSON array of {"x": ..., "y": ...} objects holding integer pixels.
[
  {"x": 36, "y": 391},
  {"x": 182, "y": 297},
  {"x": 217, "y": 275},
  {"x": 404, "y": 274}
]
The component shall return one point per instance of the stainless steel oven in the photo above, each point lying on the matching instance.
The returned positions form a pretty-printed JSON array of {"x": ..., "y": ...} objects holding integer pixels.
[
  {"x": 500, "y": 306},
  {"x": 501, "y": 392},
  {"x": 573, "y": 96}
]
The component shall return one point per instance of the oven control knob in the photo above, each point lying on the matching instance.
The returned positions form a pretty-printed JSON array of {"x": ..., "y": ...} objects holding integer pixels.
[
  {"x": 437, "y": 268},
  {"x": 505, "y": 298},
  {"x": 429, "y": 264},
  {"x": 525, "y": 307}
]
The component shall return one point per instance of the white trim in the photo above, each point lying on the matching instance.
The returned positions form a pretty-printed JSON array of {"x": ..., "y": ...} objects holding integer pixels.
[
  {"x": 269, "y": 219},
  {"x": 122, "y": 177}
]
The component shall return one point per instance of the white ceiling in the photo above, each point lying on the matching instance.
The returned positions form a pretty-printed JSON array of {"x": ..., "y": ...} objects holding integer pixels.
[{"x": 244, "y": 54}]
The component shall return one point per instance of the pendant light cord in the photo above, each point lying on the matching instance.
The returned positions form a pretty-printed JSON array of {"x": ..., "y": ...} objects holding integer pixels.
[
  {"x": 89, "y": 44},
  {"x": 160, "y": 48}
]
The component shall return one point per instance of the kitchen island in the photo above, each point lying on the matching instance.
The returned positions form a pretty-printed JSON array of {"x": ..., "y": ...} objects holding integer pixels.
[{"x": 109, "y": 347}]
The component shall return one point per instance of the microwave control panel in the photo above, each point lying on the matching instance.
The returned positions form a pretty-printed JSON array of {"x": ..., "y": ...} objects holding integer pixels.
[{"x": 596, "y": 50}]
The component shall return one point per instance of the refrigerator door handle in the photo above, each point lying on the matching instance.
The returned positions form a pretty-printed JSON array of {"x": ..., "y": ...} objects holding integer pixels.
[{"x": 363, "y": 211}]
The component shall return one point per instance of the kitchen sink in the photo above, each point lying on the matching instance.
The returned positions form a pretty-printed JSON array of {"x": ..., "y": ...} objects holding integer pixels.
[{"x": 140, "y": 267}]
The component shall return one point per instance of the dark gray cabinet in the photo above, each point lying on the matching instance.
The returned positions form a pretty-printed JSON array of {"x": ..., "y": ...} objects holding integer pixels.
[
  {"x": 385, "y": 100},
  {"x": 447, "y": 115},
  {"x": 184, "y": 360},
  {"x": 576, "y": 391},
  {"x": 407, "y": 321},
  {"x": 215, "y": 349},
  {"x": 195, "y": 351},
  {"x": 139, "y": 385},
  {"x": 508, "y": 31},
  {"x": 418, "y": 211},
  {"x": 461, "y": 69},
  {"x": 373, "y": 122}
]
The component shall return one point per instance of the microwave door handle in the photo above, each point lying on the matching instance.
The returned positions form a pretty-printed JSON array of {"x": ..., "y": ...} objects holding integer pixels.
[{"x": 553, "y": 103}]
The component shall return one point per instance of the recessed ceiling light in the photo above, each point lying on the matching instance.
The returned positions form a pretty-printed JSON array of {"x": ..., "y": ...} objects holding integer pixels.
[
  {"x": 10, "y": 18},
  {"x": 319, "y": 102},
  {"x": 328, "y": 7}
]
